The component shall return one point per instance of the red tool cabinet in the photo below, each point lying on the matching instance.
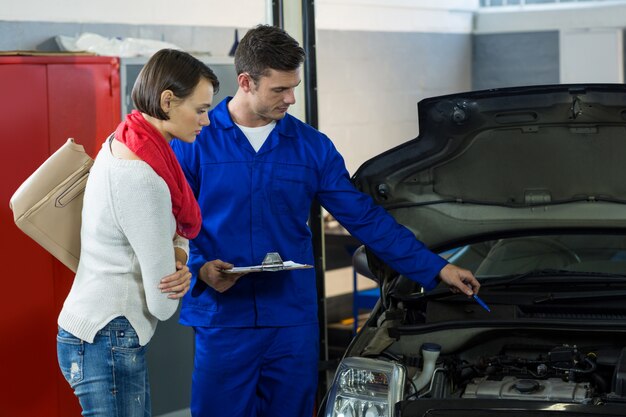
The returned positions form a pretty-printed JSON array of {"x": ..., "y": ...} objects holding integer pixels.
[{"x": 46, "y": 99}]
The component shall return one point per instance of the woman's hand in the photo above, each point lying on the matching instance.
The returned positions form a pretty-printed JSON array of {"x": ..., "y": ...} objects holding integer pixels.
[{"x": 177, "y": 284}]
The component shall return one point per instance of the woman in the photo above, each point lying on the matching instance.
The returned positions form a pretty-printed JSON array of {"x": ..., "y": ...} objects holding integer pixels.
[{"x": 138, "y": 213}]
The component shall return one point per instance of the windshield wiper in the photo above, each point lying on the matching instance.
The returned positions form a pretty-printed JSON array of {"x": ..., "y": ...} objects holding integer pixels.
[
  {"x": 504, "y": 280},
  {"x": 508, "y": 279},
  {"x": 581, "y": 296}
]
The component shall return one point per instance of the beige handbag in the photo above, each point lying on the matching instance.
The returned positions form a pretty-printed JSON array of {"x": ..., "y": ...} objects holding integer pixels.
[{"x": 47, "y": 206}]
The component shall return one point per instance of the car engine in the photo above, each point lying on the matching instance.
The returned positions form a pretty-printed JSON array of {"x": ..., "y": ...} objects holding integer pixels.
[{"x": 562, "y": 373}]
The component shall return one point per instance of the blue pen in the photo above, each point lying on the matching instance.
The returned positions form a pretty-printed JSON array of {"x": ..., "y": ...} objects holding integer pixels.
[{"x": 481, "y": 303}]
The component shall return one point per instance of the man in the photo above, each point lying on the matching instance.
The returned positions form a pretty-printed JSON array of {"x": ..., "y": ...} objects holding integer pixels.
[{"x": 255, "y": 171}]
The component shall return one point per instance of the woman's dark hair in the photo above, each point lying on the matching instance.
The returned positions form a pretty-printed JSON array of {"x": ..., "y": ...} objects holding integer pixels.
[
  {"x": 169, "y": 69},
  {"x": 267, "y": 47}
]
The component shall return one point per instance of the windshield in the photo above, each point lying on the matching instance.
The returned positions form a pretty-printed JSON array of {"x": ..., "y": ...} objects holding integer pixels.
[{"x": 518, "y": 255}]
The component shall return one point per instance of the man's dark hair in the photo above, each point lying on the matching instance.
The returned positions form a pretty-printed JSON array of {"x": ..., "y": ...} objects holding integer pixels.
[
  {"x": 267, "y": 47},
  {"x": 169, "y": 69}
]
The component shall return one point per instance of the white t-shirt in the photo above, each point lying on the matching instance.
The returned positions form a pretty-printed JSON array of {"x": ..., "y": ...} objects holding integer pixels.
[{"x": 257, "y": 135}]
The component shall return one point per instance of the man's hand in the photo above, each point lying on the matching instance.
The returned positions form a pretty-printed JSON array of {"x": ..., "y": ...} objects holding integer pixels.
[
  {"x": 212, "y": 274},
  {"x": 177, "y": 284},
  {"x": 459, "y": 280}
]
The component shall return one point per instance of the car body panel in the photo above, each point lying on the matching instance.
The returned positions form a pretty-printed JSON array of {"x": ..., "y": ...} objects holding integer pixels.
[{"x": 507, "y": 160}]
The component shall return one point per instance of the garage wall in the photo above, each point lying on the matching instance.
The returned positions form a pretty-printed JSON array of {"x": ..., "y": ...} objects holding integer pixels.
[
  {"x": 533, "y": 45},
  {"x": 377, "y": 58},
  {"x": 426, "y": 16},
  {"x": 244, "y": 13},
  {"x": 510, "y": 59},
  {"x": 369, "y": 84},
  {"x": 591, "y": 55}
]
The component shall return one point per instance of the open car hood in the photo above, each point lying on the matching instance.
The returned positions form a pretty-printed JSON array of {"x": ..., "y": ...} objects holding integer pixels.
[{"x": 506, "y": 160}]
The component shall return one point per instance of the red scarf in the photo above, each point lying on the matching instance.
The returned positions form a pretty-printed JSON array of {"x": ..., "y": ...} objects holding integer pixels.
[{"x": 149, "y": 144}]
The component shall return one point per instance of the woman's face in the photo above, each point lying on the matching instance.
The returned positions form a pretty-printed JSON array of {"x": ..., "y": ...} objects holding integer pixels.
[{"x": 189, "y": 115}]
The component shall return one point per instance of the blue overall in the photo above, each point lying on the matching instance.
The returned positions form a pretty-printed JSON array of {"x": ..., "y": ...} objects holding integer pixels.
[{"x": 258, "y": 202}]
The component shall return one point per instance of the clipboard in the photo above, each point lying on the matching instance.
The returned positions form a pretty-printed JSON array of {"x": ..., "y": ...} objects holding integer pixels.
[{"x": 271, "y": 263}]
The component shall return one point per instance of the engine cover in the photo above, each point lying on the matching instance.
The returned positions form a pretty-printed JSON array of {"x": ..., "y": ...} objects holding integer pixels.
[{"x": 510, "y": 387}]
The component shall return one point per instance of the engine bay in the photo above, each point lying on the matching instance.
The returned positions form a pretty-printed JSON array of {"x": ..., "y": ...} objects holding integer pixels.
[
  {"x": 547, "y": 373},
  {"x": 543, "y": 365}
]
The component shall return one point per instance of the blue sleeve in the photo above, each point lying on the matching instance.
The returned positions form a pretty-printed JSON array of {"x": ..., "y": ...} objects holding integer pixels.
[
  {"x": 374, "y": 227},
  {"x": 195, "y": 262}
]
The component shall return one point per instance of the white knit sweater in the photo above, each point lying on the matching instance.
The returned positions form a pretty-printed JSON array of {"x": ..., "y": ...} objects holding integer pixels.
[{"x": 126, "y": 249}]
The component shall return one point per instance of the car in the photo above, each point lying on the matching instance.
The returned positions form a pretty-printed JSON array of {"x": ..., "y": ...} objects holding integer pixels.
[{"x": 526, "y": 187}]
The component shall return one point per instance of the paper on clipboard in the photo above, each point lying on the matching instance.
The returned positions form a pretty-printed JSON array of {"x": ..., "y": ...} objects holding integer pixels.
[{"x": 284, "y": 266}]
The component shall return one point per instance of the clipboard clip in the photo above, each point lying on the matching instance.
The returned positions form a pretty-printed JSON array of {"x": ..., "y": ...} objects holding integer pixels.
[{"x": 272, "y": 262}]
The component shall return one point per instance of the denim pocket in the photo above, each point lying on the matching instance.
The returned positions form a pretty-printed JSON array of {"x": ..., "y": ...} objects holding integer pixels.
[
  {"x": 126, "y": 340},
  {"x": 70, "y": 353}
]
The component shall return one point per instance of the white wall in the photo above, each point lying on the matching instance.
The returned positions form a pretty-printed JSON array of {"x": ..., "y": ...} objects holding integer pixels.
[
  {"x": 448, "y": 16},
  {"x": 559, "y": 17},
  {"x": 369, "y": 84},
  {"x": 591, "y": 55},
  {"x": 377, "y": 58},
  {"x": 591, "y": 35},
  {"x": 237, "y": 13}
]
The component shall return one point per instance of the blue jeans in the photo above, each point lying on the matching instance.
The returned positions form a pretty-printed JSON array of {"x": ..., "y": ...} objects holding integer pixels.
[{"x": 109, "y": 376}]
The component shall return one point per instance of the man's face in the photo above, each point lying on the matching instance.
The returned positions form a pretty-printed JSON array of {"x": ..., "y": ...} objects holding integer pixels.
[{"x": 272, "y": 94}]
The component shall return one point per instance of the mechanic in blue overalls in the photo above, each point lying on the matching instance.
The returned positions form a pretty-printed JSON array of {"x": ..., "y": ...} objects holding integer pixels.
[{"x": 255, "y": 171}]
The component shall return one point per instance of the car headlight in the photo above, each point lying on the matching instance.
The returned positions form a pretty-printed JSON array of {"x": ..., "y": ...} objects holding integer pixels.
[{"x": 365, "y": 387}]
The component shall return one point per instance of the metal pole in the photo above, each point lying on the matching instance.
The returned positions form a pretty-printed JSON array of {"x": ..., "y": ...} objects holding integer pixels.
[
  {"x": 277, "y": 14},
  {"x": 310, "y": 65}
]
